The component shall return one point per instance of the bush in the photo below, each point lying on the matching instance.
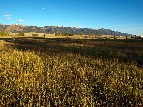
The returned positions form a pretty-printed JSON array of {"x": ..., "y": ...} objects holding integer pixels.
[
  {"x": 20, "y": 34},
  {"x": 35, "y": 35},
  {"x": 44, "y": 35}
]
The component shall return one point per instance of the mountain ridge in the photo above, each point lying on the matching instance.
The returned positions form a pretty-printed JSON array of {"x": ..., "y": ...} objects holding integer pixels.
[{"x": 17, "y": 28}]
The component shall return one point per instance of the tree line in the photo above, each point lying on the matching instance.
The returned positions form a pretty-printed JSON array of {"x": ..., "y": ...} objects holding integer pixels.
[{"x": 2, "y": 33}]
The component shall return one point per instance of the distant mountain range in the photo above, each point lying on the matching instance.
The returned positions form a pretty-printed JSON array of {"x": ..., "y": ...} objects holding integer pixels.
[{"x": 16, "y": 28}]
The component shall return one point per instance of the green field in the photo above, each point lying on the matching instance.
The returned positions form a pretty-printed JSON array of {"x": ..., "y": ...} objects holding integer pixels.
[{"x": 62, "y": 72}]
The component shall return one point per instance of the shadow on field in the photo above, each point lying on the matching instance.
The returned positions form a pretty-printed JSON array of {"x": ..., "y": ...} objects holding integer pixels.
[
  {"x": 124, "y": 50},
  {"x": 7, "y": 39}
]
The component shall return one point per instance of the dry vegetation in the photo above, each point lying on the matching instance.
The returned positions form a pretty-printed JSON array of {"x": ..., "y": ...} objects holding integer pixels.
[{"x": 52, "y": 72}]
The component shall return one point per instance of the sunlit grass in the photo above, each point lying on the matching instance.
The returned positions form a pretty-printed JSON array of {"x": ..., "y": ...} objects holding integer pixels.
[{"x": 60, "y": 78}]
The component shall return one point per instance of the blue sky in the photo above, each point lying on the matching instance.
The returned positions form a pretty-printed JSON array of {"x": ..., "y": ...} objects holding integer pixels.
[{"x": 120, "y": 15}]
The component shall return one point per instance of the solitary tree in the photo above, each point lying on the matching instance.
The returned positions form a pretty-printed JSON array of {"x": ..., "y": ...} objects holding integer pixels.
[{"x": 44, "y": 35}]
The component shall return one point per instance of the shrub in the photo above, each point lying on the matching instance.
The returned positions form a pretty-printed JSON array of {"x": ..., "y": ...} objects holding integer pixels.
[{"x": 35, "y": 35}]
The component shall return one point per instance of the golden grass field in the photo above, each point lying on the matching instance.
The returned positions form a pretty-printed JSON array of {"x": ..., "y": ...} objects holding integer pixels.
[{"x": 70, "y": 72}]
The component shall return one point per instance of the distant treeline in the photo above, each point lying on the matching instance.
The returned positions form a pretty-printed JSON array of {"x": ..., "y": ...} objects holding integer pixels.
[{"x": 2, "y": 33}]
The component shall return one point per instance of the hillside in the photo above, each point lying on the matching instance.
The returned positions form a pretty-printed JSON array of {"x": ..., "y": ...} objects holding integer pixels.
[{"x": 59, "y": 29}]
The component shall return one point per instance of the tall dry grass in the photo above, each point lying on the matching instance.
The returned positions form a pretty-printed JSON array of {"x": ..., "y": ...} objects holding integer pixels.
[{"x": 36, "y": 78}]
